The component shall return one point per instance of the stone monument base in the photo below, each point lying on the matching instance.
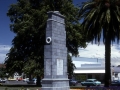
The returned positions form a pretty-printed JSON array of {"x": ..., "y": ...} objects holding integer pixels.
[{"x": 55, "y": 84}]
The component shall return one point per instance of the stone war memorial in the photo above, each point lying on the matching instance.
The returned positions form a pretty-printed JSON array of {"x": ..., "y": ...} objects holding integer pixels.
[{"x": 55, "y": 54}]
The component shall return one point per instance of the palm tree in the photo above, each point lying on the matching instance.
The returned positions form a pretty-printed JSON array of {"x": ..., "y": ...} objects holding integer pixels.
[{"x": 102, "y": 17}]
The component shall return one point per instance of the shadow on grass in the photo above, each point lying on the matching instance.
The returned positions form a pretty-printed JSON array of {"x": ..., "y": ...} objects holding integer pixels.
[{"x": 96, "y": 88}]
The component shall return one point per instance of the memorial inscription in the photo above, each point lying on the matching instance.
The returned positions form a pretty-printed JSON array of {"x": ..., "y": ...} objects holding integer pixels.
[{"x": 59, "y": 67}]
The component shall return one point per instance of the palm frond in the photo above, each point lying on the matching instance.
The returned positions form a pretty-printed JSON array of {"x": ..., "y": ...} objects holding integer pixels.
[
  {"x": 86, "y": 5},
  {"x": 117, "y": 16},
  {"x": 118, "y": 10},
  {"x": 108, "y": 16}
]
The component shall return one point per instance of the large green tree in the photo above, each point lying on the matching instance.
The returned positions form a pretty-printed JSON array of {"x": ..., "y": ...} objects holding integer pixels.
[
  {"x": 2, "y": 71},
  {"x": 102, "y": 17},
  {"x": 28, "y": 22},
  {"x": 70, "y": 66}
]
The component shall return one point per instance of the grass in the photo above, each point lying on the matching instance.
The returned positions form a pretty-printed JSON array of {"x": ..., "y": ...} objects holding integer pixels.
[
  {"x": 25, "y": 88},
  {"x": 71, "y": 88},
  {"x": 19, "y": 88}
]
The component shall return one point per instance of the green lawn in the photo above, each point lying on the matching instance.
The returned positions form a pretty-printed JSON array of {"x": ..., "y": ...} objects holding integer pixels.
[{"x": 19, "y": 88}]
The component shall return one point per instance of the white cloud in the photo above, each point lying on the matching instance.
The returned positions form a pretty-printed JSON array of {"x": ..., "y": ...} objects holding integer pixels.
[
  {"x": 4, "y": 49},
  {"x": 95, "y": 51},
  {"x": 91, "y": 51}
]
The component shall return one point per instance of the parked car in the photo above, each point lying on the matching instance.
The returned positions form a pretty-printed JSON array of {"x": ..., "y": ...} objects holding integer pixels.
[
  {"x": 3, "y": 80},
  {"x": 73, "y": 82},
  {"x": 26, "y": 79},
  {"x": 31, "y": 81},
  {"x": 115, "y": 83},
  {"x": 91, "y": 82},
  {"x": 19, "y": 79}
]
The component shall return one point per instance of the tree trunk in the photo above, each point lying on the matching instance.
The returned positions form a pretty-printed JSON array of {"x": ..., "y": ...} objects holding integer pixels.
[
  {"x": 38, "y": 83},
  {"x": 107, "y": 60},
  {"x": 30, "y": 78}
]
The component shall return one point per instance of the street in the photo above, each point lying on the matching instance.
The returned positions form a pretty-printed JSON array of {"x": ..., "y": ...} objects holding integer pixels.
[
  {"x": 16, "y": 83},
  {"x": 25, "y": 83}
]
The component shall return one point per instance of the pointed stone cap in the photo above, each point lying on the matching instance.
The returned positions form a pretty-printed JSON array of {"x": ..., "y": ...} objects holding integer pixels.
[{"x": 55, "y": 13}]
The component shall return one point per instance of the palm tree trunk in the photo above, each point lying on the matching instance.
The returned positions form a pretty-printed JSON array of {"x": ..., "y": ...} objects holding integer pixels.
[{"x": 107, "y": 60}]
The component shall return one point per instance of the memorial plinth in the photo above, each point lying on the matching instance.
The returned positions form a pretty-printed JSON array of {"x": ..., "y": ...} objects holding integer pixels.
[{"x": 55, "y": 54}]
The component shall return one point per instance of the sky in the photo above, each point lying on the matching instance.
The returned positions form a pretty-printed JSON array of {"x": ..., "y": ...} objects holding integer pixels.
[
  {"x": 98, "y": 52},
  {"x": 6, "y": 36}
]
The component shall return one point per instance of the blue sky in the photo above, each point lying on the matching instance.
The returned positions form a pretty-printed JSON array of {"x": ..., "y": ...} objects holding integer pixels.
[{"x": 6, "y": 36}]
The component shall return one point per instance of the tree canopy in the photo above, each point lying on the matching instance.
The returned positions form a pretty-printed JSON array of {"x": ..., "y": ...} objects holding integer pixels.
[{"x": 28, "y": 21}]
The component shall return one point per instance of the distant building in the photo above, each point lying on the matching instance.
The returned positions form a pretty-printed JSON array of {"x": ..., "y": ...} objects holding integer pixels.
[
  {"x": 115, "y": 73},
  {"x": 15, "y": 76},
  {"x": 93, "y": 68},
  {"x": 2, "y": 65}
]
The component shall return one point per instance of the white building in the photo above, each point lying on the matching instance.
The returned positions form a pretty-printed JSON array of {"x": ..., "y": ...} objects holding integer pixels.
[{"x": 92, "y": 68}]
